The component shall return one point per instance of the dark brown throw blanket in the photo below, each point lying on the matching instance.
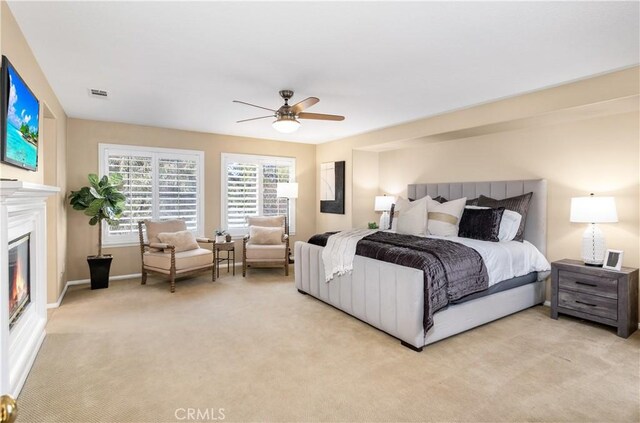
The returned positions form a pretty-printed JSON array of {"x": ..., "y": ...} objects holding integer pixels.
[{"x": 451, "y": 270}]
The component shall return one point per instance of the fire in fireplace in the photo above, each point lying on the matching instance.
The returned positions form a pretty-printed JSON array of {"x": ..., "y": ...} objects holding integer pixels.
[{"x": 19, "y": 278}]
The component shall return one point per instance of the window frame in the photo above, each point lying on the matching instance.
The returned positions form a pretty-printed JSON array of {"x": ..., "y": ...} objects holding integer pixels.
[
  {"x": 260, "y": 160},
  {"x": 156, "y": 153}
]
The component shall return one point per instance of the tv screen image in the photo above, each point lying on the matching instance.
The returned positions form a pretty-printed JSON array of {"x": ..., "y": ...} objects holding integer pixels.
[{"x": 21, "y": 118}]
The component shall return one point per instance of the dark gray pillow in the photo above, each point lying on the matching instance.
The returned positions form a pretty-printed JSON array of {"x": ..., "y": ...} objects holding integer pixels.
[
  {"x": 519, "y": 204},
  {"x": 482, "y": 224},
  {"x": 440, "y": 199},
  {"x": 472, "y": 202}
]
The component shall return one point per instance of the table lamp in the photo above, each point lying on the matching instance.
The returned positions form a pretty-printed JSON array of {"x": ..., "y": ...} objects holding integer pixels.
[
  {"x": 383, "y": 204},
  {"x": 593, "y": 210}
]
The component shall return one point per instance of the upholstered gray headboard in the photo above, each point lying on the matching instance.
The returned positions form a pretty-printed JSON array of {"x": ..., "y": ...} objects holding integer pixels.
[{"x": 535, "y": 230}]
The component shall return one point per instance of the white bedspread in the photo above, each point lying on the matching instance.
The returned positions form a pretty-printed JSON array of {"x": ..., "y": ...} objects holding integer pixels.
[
  {"x": 340, "y": 250},
  {"x": 507, "y": 259}
]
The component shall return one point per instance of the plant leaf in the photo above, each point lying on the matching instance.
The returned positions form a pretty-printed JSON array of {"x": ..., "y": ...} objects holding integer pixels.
[
  {"x": 95, "y": 207},
  {"x": 95, "y": 193},
  {"x": 93, "y": 179},
  {"x": 94, "y": 220}
]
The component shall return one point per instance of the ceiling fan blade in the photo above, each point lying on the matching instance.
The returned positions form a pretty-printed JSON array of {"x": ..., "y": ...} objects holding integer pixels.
[
  {"x": 319, "y": 116},
  {"x": 304, "y": 104},
  {"x": 253, "y": 105},
  {"x": 262, "y": 117}
]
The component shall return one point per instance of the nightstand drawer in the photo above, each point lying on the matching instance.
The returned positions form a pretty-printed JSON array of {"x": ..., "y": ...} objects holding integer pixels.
[
  {"x": 591, "y": 304},
  {"x": 588, "y": 284}
]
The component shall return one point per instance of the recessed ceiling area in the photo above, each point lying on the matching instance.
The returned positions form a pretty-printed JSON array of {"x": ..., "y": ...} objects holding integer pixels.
[{"x": 181, "y": 64}]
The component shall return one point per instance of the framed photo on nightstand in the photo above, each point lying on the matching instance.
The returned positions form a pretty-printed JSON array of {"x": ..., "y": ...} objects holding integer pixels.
[{"x": 613, "y": 260}]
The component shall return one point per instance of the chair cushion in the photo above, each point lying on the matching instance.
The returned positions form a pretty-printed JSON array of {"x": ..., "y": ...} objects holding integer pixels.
[
  {"x": 268, "y": 221},
  {"x": 262, "y": 235},
  {"x": 184, "y": 260},
  {"x": 265, "y": 252},
  {"x": 182, "y": 240},
  {"x": 154, "y": 227}
]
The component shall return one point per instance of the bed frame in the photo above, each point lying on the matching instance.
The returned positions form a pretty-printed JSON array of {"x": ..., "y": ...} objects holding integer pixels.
[{"x": 390, "y": 297}]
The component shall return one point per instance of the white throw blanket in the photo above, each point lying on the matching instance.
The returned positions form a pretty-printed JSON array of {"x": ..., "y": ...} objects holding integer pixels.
[{"x": 340, "y": 250}]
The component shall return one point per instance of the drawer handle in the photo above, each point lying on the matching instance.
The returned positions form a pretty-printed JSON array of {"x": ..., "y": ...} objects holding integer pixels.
[
  {"x": 584, "y": 283},
  {"x": 589, "y": 304}
]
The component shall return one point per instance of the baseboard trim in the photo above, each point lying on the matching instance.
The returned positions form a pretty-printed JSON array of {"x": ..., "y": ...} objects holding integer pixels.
[{"x": 87, "y": 281}]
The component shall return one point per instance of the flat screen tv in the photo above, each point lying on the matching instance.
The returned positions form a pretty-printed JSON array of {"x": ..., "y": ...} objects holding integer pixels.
[{"x": 20, "y": 120}]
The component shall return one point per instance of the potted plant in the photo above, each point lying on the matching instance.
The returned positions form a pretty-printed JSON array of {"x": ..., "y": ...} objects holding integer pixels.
[
  {"x": 102, "y": 200},
  {"x": 220, "y": 235}
]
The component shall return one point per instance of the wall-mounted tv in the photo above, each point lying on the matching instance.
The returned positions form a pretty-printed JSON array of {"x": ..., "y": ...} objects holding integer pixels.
[{"x": 20, "y": 120}]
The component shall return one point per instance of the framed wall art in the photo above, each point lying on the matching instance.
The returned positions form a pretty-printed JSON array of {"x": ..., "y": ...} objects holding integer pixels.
[{"x": 332, "y": 187}]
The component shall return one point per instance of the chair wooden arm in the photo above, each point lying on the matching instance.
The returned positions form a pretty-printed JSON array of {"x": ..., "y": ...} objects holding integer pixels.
[
  {"x": 162, "y": 246},
  {"x": 206, "y": 240}
]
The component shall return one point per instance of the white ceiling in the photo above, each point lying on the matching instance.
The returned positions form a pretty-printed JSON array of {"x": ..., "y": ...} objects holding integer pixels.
[{"x": 179, "y": 65}]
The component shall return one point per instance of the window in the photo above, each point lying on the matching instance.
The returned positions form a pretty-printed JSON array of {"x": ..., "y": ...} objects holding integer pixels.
[
  {"x": 249, "y": 186},
  {"x": 159, "y": 183}
]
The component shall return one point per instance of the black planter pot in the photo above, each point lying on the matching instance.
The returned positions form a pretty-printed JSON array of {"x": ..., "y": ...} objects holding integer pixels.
[{"x": 99, "y": 269}]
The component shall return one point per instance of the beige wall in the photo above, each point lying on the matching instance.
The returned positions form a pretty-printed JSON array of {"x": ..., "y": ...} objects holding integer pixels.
[
  {"x": 52, "y": 148},
  {"x": 84, "y": 137}
]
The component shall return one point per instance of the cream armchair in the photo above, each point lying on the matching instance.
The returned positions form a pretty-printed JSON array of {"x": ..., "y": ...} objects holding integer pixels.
[
  {"x": 173, "y": 251},
  {"x": 264, "y": 245}
]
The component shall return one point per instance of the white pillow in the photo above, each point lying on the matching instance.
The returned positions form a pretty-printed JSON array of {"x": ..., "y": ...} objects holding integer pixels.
[
  {"x": 265, "y": 235},
  {"x": 397, "y": 207},
  {"x": 509, "y": 224},
  {"x": 182, "y": 240},
  {"x": 411, "y": 219},
  {"x": 444, "y": 219}
]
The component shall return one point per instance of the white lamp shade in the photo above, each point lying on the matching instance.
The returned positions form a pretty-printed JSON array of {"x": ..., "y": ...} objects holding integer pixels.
[
  {"x": 383, "y": 202},
  {"x": 287, "y": 190},
  {"x": 286, "y": 126},
  {"x": 593, "y": 210}
]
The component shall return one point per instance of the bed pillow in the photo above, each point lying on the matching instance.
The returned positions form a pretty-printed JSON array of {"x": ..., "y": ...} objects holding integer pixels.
[
  {"x": 182, "y": 240},
  {"x": 518, "y": 204},
  {"x": 481, "y": 223},
  {"x": 411, "y": 219},
  {"x": 444, "y": 219},
  {"x": 509, "y": 224},
  {"x": 265, "y": 235},
  {"x": 395, "y": 211},
  {"x": 440, "y": 199},
  {"x": 472, "y": 202}
]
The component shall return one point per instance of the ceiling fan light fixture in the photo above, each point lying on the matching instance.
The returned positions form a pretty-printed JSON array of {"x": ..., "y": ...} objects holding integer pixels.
[{"x": 286, "y": 124}]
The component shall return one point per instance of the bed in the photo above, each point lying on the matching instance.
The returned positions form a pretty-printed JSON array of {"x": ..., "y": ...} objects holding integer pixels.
[{"x": 390, "y": 297}]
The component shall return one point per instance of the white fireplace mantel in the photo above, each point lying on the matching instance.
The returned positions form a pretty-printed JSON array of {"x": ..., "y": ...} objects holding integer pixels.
[{"x": 22, "y": 211}]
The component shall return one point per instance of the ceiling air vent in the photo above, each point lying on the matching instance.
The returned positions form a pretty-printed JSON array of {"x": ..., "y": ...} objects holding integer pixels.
[{"x": 98, "y": 93}]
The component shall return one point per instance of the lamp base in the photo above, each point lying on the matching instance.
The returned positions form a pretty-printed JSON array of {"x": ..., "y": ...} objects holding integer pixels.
[
  {"x": 384, "y": 221},
  {"x": 593, "y": 246}
]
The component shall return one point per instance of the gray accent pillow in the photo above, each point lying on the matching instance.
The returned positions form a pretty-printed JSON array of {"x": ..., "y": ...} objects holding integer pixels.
[
  {"x": 519, "y": 204},
  {"x": 472, "y": 202}
]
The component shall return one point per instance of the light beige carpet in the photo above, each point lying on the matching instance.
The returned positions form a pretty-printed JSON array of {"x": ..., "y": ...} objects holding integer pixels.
[{"x": 261, "y": 351}]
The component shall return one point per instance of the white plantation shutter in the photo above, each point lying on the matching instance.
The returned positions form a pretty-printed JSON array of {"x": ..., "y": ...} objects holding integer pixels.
[
  {"x": 158, "y": 183},
  {"x": 242, "y": 193},
  {"x": 178, "y": 190},
  {"x": 249, "y": 189},
  {"x": 136, "y": 171}
]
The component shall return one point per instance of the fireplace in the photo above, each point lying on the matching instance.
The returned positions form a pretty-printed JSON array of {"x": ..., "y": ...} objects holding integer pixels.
[
  {"x": 19, "y": 277},
  {"x": 23, "y": 279}
]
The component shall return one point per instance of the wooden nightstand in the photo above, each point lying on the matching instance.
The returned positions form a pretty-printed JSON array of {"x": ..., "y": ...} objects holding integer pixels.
[{"x": 596, "y": 294}]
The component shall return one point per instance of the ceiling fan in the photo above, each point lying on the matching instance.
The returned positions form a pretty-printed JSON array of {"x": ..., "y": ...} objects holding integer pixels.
[{"x": 287, "y": 116}]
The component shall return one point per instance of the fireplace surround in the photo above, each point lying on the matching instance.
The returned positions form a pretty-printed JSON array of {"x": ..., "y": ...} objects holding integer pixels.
[{"x": 23, "y": 273}]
